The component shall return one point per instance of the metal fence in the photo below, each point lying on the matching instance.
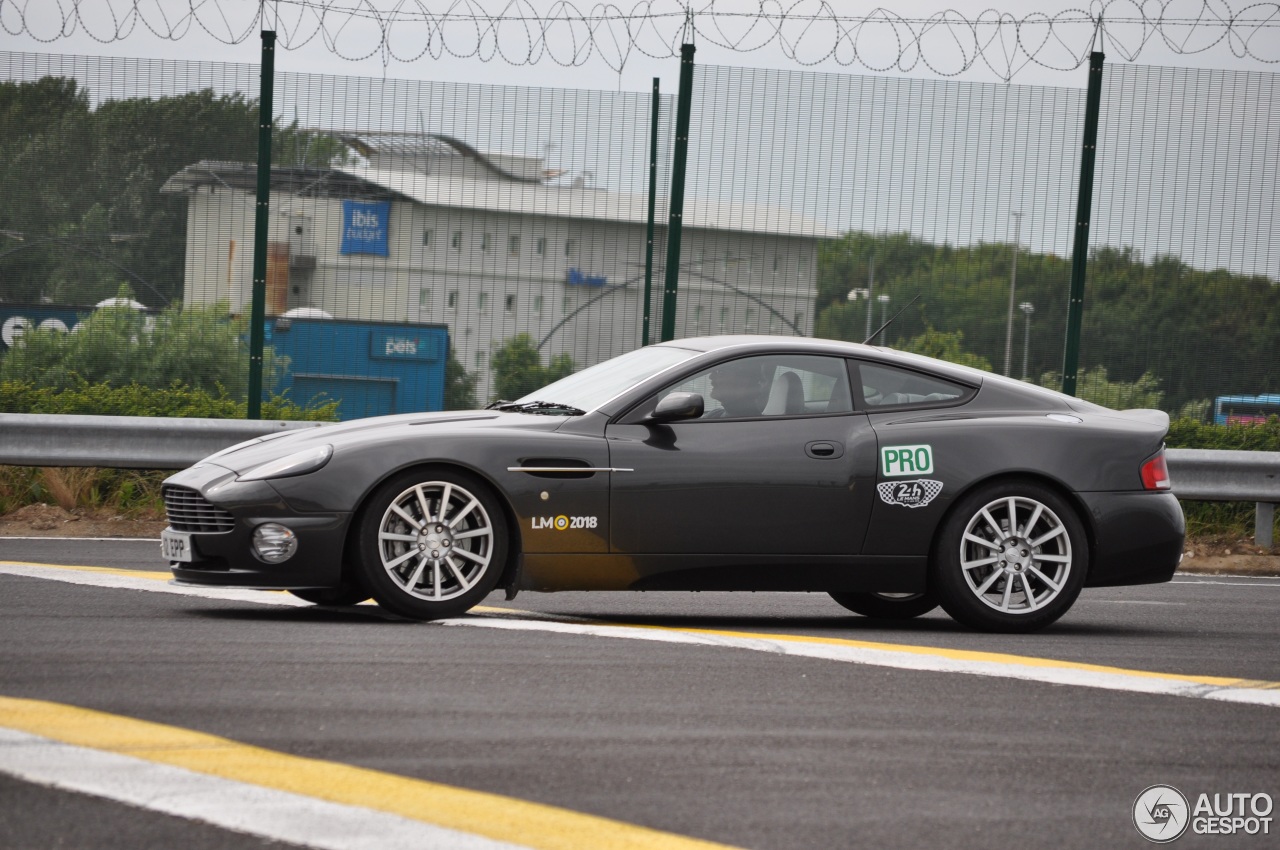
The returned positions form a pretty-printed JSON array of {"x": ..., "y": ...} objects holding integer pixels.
[{"x": 437, "y": 245}]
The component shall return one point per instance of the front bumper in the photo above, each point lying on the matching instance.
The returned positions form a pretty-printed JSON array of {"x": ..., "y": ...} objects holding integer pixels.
[
  {"x": 1138, "y": 537},
  {"x": 226, "y": 559}
]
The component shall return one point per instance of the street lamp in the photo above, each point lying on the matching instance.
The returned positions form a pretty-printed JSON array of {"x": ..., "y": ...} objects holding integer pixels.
[
  {"x": 1013, "y": 285},
  {"x": 871, "y": 287},
  {"x": 884, "y": 310},
  {"x": 1027, "y": 308},
  {"x": 857, "y": 294}
]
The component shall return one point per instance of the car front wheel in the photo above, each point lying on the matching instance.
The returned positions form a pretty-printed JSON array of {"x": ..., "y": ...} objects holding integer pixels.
[
  {"x": 431, "y": 544},
  {"x": 1011, "y": 557},
  {"x": 888, "y": 606}
]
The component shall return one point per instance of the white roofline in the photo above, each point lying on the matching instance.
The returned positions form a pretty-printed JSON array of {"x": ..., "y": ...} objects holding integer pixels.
[{"x": 592, "y": 204}]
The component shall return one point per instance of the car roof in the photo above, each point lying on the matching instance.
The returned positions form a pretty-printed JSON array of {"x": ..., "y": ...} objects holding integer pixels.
[{"x": 763, "y": 343}]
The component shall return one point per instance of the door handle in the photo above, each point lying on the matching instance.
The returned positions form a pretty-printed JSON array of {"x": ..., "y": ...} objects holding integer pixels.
[{"x": 824, "y": 449}]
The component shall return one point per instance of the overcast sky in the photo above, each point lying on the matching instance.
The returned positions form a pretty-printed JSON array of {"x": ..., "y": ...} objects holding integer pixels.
[
  {"x": 40, "y": 26},
  {"x": 1222, "y": 207}
]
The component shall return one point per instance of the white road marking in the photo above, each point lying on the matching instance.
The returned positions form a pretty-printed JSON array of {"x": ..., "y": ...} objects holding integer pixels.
[
  {"x": 237, "y": 806},
  {"x": 903, "y": 657},
  {"x": 1252, "y": 581},
  {"x": 103, "y": 577},
  {"x": 1127, "y": 602}
]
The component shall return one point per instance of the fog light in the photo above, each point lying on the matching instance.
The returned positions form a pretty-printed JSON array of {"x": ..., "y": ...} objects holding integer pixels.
[{"x": 274, "y": 543}]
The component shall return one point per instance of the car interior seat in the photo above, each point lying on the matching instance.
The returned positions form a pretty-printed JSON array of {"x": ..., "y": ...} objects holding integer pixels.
[{"x": 786, "y": 396}]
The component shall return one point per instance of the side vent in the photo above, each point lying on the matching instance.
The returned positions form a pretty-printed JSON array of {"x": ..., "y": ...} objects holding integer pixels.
[{"x": 555, "y": 467}]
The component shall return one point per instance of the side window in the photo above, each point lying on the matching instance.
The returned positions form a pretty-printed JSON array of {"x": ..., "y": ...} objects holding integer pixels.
[
  {"x": 770, "y": 385},
  {"x": 890, "y": 386}
]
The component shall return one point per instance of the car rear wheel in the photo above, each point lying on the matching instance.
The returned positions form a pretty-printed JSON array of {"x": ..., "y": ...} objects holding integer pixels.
[
  {"x": 1011, "y": 557},
  {"x": 432, "y": 544},
  {"x": 888, "y": 606},
  {"x": 347, "y": 593}
]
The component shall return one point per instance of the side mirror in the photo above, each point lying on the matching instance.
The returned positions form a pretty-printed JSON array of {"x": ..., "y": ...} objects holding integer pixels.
[{"x": 677, "y": 406}]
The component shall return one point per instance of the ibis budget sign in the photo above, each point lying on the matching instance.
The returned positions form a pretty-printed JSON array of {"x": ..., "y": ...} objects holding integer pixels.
[{"x": 364, "y": 227}]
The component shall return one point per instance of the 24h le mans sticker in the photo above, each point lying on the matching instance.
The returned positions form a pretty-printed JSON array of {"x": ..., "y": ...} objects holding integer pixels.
[{"x": 909, "y": 494}]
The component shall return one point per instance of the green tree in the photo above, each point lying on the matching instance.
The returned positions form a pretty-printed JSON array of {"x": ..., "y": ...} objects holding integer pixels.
[
  {"x": 1200, "y": 333},
  {"x": 945, "y": 346},
  {"x": 847, "y": 263},
  {"x": 518, "y": 369},
  {"x": 82, "y": 186},
  {"x": 459, "y": 386},
  {"x": 42, "y": 128}
]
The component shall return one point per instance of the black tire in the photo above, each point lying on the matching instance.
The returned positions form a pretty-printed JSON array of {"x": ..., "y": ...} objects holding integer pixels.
[
  {"x": 888, "y": 606},
  {"x": 347, "y": 593},
  {"x": 423, "y": 563},
  {"x": 999, "y": 578}
]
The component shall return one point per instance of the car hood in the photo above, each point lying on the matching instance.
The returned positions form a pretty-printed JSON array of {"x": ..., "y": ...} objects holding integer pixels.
[{"x": 253, "y": 453}]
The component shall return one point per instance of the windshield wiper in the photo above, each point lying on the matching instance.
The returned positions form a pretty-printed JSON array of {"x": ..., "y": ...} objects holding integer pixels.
[{"x": 549, "y": 408}]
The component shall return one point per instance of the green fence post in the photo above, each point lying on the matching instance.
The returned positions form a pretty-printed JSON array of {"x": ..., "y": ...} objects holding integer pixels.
[
  {"x": 653, "y": 203},
  {"x": 257, "y": 311},
  {"x": 679, "y": 158},
  {"x": 1084, "y": 209}
]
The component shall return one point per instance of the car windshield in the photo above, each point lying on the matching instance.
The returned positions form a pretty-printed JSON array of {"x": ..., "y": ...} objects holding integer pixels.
[{"x": 596, "y": 384}]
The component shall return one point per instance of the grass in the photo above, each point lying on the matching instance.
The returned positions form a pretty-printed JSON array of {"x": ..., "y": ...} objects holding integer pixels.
[{"x": 130, "y": 492}]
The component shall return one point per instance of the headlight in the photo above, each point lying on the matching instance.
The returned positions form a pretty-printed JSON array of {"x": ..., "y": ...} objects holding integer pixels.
[{"x": 298, "y": 463}]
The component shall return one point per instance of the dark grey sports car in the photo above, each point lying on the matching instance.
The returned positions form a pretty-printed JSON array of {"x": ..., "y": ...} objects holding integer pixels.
[{"x": 893, "y": 482}]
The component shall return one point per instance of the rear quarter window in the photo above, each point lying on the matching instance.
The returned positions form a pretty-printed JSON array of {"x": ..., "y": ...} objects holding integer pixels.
[{"x": 879, "y": 386}]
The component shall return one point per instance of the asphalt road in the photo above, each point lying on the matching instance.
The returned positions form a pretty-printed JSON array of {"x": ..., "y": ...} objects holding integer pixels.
[{"x": 732, "y": 742}]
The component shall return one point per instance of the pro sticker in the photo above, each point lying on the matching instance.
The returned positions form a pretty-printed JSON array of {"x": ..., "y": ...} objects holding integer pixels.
[{"x": 906, "y": 460}]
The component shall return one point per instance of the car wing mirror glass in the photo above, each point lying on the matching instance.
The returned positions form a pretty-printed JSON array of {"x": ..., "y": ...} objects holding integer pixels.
[{"x": 677, "y": 406}]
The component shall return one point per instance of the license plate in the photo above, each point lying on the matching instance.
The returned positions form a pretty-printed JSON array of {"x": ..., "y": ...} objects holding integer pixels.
[{"x": 176, "y": 545}]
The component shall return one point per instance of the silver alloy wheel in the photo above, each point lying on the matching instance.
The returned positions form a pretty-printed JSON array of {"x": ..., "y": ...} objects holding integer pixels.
[
  {"x": 1015, "y": 555},
  {"x": 435, "y": 541}
]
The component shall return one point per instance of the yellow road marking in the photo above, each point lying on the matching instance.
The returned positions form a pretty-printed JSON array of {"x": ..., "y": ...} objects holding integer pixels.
[{"x": 493, "y": 816}]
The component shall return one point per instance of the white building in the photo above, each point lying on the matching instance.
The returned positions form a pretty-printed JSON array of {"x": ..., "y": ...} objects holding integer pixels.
[{"x": 489, "y": 246}]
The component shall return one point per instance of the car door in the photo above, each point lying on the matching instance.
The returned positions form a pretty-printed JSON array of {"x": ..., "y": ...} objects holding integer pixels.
[{"x": 792, "y": 474}]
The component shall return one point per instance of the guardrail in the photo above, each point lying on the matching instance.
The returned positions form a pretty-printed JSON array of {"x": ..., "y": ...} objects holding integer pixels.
[
  {"x": 125, "y": 442},
  {"x": 1215, "y": 475},
  {"x": 139, "y": 442}
]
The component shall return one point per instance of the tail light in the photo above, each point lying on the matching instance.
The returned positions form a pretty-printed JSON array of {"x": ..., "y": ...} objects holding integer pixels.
[{"x": 1155, "y": 473}]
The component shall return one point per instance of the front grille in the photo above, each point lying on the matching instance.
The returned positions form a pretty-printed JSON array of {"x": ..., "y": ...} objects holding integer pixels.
[{"x": 189, "y": 511}]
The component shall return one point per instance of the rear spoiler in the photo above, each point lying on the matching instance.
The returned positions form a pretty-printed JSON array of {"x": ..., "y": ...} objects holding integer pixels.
[{"x": 1153, "y": 417}]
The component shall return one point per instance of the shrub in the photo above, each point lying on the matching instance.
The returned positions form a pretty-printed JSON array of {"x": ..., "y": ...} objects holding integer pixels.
[
  {"x": 81, "y": 397},
  {"x": 1094, "y": 385},
  {"x": 199, "y": 347},
  {"x": 1188, "y": 433}
]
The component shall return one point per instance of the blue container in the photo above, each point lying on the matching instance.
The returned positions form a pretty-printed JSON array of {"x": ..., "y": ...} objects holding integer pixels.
[{"x": 369, "y": 368}]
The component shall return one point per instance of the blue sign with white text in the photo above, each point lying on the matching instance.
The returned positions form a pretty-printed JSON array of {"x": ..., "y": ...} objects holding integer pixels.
[
  {"x": 576, "y": 277},
  {"x": 364, "y": 227}
]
